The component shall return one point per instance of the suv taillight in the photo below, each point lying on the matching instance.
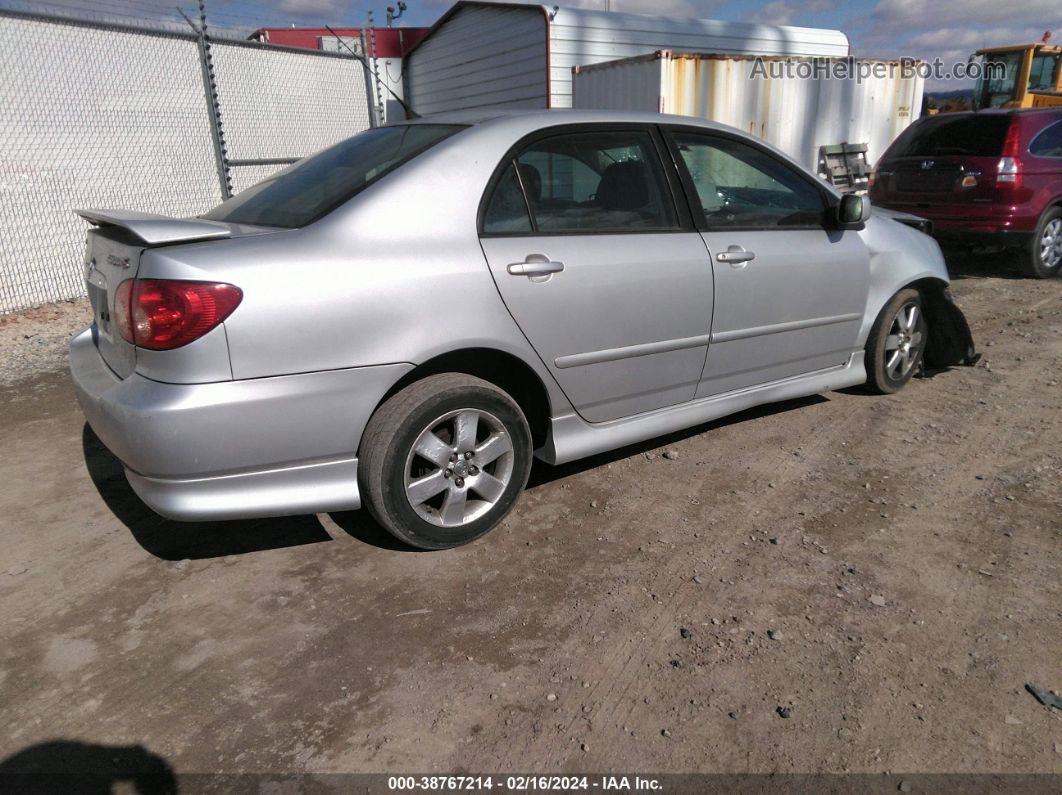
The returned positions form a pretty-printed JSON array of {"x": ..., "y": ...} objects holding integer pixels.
[
  {"x": 877, "y": 175},
  {"x": 1008, "y": 171},
  {"x": 162, "y": 314}
]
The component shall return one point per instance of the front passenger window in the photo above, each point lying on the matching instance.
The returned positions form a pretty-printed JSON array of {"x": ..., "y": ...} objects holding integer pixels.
[{"x": 741, "y": 186}]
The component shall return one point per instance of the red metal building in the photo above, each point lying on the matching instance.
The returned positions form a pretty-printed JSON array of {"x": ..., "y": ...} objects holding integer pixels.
[{"x": 390, "y": 42}]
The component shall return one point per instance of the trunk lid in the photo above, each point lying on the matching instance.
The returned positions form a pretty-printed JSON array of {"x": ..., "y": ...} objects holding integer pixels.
[
  {"x": 112, "y": 256},
  {"x": 115, "y": 246}
]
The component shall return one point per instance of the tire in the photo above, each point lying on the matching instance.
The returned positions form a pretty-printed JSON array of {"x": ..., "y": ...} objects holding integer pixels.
[
  {"x": 896, "y": 343},
  {"x": 464, "y": 497},
  {"x": 1043, "y": 258}
]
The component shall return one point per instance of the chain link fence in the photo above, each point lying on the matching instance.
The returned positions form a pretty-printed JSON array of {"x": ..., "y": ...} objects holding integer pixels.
[{"x": 112, "y": 116}]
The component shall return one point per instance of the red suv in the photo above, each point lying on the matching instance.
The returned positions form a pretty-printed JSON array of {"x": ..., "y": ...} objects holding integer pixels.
[{"x": 993, "y": 177}]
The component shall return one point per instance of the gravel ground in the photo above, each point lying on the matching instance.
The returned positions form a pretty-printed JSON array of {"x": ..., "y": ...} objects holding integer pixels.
[
  {"x": 839, "y": 583},
  {"x": 35, "y": 341}
]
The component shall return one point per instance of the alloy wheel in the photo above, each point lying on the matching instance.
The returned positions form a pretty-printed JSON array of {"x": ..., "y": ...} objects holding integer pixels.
[
  {"x": 1051, "y": 244},
  {"x": 459, "y": 467},
  {"x": 903, "y": 346}
]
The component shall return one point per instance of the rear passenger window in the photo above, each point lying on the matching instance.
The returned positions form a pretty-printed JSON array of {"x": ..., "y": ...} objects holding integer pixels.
[
  {"x": 586, "y": 182},
  {"x": 1049, "y": 142},
  {"x": 507, "y": 211}
]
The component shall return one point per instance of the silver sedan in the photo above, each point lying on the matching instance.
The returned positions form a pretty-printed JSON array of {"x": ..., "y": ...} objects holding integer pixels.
[{"x": 406, "y": 319}]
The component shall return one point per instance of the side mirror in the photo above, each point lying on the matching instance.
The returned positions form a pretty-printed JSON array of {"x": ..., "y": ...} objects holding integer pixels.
[{"x": 853, "y": 211}]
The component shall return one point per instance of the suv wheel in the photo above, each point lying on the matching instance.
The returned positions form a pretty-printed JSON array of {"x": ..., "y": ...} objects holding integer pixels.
[
  {"x": 444, "y": 460},
  {"x": 896, "y": 343},
  {"x": 1045, "y": 258}
]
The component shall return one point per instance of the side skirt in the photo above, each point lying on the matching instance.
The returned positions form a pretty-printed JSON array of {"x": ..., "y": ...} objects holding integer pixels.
[{"x": 572, "y": 438}]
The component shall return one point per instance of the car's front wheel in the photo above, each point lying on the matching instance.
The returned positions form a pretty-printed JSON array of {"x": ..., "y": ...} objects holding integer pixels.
[
  {"x": 444, "y": 460},
  {"x": 896, "y": 343}
]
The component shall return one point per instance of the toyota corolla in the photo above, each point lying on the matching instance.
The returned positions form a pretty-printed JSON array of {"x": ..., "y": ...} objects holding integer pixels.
[{"x": 406, "y": 319}]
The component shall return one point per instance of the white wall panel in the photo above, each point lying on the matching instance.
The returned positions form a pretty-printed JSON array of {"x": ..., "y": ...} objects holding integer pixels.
[
  {"x": 581, "y": 37},
  {"x": 483, "y": 56},
  {"x": 487, "y": 55},
  {"x": 798, "y": 116}
]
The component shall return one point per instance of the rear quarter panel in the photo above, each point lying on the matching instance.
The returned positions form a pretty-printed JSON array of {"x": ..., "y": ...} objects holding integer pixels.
[{"x": 1043, "y": 176}]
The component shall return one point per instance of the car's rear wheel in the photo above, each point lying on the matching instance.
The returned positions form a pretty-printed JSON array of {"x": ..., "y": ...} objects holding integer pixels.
[
  {"x": 896, "y": 343},
  {"x": 1044, "y": 259},
  {"x": 444, "y": 460}
]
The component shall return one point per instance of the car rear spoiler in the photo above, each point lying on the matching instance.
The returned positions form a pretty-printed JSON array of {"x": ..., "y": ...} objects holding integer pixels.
[{"x": 157, "y": 230}]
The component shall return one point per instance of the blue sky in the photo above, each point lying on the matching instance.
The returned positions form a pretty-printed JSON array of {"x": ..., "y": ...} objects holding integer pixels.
[{"x": 876, "y": 28}]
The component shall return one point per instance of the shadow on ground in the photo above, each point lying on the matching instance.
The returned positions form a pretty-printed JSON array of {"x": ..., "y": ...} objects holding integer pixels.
[
  {"x": 86, "y": 769},
  {"x": 983, "y": 264},
  {"x": 172, "y": 540}
]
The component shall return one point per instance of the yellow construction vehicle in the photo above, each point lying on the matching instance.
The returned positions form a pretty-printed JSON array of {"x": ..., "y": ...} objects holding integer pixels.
[{"x": 1031, "y": 76}]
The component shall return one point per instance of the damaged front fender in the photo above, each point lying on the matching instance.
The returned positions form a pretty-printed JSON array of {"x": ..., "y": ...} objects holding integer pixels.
[{"x": 950, "y": 341}]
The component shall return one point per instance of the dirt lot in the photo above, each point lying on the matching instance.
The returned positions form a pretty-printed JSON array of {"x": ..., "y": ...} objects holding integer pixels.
[{"x": 882, "y": 571}]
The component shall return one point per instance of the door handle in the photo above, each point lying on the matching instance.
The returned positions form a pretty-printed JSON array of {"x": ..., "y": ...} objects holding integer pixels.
[
  {"x": 535, "y": 265},
  {"x": 736, "y": 256}
]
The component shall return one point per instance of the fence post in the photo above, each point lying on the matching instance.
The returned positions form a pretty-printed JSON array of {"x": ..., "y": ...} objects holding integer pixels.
[
  {"x": 379, "y": 104},
  {"x": 210, "y": 89},
  {"x": 374, "y": 121}
]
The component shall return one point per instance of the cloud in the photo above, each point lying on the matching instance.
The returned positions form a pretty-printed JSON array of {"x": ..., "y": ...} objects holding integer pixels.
[
  {"x": 903, "y": 16},
  {"x": 950, "y": 45},
  {"x": 949, "y": 31},
  {"x": 334, "y": 9},
  {"x": 787, "y": 12},
  {"x": 676, "y": 8}
]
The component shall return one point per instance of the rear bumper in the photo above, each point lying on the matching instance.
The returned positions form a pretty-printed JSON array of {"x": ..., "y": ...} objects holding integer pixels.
[
  {"x": 233, "y": 449},
  {"x": 975, "y": 224},
  {"x": 1007, "y": 238},
  {"x": 311, "y": 488}
]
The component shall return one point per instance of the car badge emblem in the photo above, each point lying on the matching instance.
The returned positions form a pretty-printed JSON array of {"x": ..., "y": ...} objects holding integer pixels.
[{"x": 927, "y": 164}]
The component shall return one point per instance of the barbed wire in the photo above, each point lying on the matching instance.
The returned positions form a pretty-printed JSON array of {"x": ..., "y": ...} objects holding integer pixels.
[{"x": 224, "y": 22}]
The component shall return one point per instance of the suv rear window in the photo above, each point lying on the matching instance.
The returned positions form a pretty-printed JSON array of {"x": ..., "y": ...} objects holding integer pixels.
[
  {"x": 310, "y": 189},
  {"x": 975, "y": 136}
]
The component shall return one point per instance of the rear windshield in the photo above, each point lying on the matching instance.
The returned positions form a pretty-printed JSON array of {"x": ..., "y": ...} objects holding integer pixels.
[
  {"x": 975, "y": 136},
  {"x": 305, "y": 191}
]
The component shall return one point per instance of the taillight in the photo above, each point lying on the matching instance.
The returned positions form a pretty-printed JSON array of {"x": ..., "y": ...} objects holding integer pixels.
[
  {"x": 162, "y": 314},
  {"x": 1008, "y": 171},
  {"x": 876, "y": 176},
  {"x": 123, "y": 302}
]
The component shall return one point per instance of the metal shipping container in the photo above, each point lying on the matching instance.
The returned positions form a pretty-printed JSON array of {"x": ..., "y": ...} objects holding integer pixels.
[
  {"x": 521, "y": 55},
  {"x": 794, "y": 114}
]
